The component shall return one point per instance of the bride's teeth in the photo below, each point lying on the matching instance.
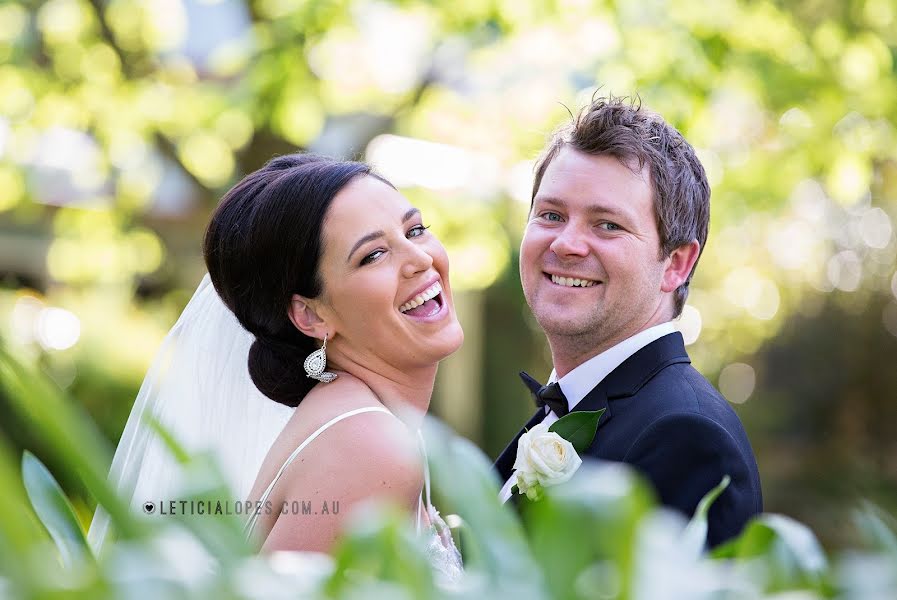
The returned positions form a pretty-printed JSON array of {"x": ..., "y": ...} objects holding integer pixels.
[{"x": 428, "y": 294}]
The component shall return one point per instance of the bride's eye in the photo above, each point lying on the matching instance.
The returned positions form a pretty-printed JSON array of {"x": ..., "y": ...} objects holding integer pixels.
[
  {"x": 417, "y": 231},
  {"x": 371, "y": 257}
]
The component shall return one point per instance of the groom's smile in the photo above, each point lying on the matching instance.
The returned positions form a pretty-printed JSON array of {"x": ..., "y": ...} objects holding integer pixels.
[
  {"x": 590, "y": 256},
  {"x": 571, "y": 281}
]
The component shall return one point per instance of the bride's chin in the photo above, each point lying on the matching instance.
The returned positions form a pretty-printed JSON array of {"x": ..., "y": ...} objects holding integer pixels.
[
  {"x": 439, "y": 347},
  {"x": 454, "y": 339}
]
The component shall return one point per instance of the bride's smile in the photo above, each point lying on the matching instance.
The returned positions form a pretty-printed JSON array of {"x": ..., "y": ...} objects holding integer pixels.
[
  {"x": 425, "y": 305},
  {"x": 386, "y": 290}
]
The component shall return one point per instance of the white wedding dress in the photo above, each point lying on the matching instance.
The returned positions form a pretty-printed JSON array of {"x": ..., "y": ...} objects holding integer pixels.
[
  {"x": 441, "y": 550},
  {"x": 199, "y": 389}
]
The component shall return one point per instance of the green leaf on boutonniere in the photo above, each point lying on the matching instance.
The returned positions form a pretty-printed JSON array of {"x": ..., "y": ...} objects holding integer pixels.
[{"x": 578, "y": 428}]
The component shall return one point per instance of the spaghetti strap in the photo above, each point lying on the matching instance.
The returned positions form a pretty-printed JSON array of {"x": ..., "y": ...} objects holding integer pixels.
[{"x": 250, "y": 523}]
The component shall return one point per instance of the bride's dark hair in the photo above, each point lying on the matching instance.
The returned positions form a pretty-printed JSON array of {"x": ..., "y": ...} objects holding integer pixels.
[{"x": 262, "y": 245}]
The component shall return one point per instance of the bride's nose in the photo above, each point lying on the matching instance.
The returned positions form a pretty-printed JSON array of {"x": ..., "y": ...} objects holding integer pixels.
[{"x": 416, "y": 260}]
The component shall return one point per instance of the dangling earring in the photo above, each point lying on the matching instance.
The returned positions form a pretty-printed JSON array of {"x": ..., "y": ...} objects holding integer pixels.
[{"x": 317, "y": 362}]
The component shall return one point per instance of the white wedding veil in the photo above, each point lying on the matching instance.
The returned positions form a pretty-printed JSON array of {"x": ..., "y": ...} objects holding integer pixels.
[{"x": 199, "y": 389}]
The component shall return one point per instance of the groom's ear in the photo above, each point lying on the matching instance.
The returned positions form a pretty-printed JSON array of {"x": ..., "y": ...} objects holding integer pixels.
[
  {"x": 304, "y": 315},
  {"x": 679, "y": 265}
]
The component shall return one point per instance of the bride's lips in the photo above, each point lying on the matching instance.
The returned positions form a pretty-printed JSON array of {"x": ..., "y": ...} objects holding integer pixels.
[
  {"x": 421, "y": 290},
  {"x": 441, "y": 312}
]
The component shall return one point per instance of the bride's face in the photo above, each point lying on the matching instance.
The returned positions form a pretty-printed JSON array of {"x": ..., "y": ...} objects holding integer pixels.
[{"x": 386, "y": 290}]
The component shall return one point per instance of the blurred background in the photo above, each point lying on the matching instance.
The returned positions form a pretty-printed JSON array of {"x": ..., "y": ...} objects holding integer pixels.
[{"x": 122, "y": 122}]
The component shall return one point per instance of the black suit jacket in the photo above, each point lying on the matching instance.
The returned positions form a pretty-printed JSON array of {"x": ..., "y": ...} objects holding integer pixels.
[{"x": 670, "y": 423}]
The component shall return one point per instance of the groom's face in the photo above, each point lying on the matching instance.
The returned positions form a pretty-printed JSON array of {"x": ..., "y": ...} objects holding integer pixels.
[{"x": 590, "y": 257}]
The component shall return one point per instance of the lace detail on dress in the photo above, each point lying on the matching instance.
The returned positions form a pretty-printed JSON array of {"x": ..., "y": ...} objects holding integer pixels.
[
  {"x": 444, "y": 556},
  {"x": 442, "y": 552}
]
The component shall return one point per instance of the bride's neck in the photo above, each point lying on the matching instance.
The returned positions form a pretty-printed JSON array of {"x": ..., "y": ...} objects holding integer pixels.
[{"x": 405, "y": 392}]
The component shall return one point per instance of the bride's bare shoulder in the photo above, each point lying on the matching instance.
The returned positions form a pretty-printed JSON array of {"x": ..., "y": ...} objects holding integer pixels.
[
  {"x": 369, "y": 450},
  {"x": 348, "y": 393}
]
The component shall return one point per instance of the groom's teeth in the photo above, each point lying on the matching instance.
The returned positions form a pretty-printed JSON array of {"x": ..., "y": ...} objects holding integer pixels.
[
  {"x": 428, "y": 294},
  {"x": 572, "y": 282}
]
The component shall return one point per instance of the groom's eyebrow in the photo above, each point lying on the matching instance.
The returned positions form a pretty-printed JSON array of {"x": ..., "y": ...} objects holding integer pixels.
[
  {"x": 594, "y": 207},
  {"x": 377, "y": 234}
]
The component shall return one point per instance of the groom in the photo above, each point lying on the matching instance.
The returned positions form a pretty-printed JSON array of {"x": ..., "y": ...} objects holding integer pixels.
[{"x": 617, "y": 222}]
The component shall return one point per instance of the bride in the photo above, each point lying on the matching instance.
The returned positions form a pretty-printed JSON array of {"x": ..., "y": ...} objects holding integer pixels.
[{"x": 346, "y": 300}]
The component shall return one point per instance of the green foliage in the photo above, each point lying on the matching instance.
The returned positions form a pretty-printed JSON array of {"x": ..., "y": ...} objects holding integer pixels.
[
  {"x": 784, "y": 551},
  {"x": 120, "y": 127},
  {"x": 598, "y": 535},
  {"x": 696, "y": 532},
  {"x": 792, "y": 105},
  {"x": 55, "y": 512},
  {"x": 878, "y": 527}
]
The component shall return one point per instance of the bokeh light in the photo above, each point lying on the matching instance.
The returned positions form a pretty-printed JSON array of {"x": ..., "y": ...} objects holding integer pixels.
[
  {"x": 737, "y": 381},
  {"x": 689, "y": 324},
  {"x": 57, "y": 329}
]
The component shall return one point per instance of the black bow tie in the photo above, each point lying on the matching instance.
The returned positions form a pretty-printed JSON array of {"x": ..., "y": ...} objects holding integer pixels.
[{"x": 549, "y": 395}]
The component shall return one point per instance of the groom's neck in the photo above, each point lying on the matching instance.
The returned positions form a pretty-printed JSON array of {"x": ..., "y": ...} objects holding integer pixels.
[{"x": 570, "y": 351}]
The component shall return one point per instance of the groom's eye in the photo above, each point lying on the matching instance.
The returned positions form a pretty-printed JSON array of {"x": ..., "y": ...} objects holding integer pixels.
[{"x": 551, "y": 216}]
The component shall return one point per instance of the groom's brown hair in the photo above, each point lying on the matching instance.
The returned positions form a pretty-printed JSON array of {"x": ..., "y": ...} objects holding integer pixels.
[{"x": 636, "y": 137}]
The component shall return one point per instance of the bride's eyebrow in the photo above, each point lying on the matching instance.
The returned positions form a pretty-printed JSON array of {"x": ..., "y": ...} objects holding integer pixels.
[{"x": 377, "y": 234}]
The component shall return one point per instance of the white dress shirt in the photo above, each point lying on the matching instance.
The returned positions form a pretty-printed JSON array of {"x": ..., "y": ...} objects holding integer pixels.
[{"x": 583, "y": 379}]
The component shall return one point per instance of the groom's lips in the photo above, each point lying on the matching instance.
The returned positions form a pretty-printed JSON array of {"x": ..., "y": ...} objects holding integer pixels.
[{"x": 548, "y": 276}]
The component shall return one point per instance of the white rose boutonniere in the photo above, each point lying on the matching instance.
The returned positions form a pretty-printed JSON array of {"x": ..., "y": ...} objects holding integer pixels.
[{"x": 548, "y": 456}]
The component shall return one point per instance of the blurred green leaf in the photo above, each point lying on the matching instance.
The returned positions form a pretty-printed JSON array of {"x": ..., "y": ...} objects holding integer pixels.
[
  {"x": 20, "y": 531},
  {"x": 877, "y": 527},
  {"x": 221, "y": 533},
  {"x": 55, "y": 512},
  {"x": 600, "y": 508},
  {"x": 171, "y": 443},
  {"x": 787, "y": 550},
  {"x": 380, "y": 547},
  {"x": 68, "y": 433},
  {"x": 494, "y": 542},
  {"x": 695, "y": 535}
]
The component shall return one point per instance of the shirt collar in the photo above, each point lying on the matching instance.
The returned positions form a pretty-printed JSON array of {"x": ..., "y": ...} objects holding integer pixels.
[{"x": 583, "y": 379}]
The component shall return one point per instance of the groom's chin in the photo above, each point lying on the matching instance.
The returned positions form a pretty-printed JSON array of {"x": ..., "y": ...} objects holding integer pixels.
[{"x": 557, "y": 322}]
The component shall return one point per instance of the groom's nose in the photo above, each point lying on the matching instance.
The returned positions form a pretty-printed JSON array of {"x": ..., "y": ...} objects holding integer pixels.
[{"x": 571, "y": 240}]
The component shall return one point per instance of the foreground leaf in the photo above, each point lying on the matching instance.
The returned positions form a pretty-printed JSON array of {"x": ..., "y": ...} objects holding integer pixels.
[
  {"x": 787, "y": 550},
  {"x": 879, "y": 528},
  {"x": 583, "y": 532},
  {"x": 54, "y": 511},
  {"x": 695, "y": 535},
  {"x": 380, "y": 547},
  {"x": 494, "y": 545},
  {"x": 69, "y": 435}
]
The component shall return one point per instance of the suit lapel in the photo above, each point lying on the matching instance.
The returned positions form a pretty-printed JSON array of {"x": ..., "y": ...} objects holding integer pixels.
[
  {"x": 624, "y": 381},
  {"x": 633, "y": 373},
  {"x": 505, "y": 462},
  {"x": 596, "y": 400}
]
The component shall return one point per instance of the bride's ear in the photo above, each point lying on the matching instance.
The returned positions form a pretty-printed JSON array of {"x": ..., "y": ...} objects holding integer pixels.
[{"x": 306, "y": 319}]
